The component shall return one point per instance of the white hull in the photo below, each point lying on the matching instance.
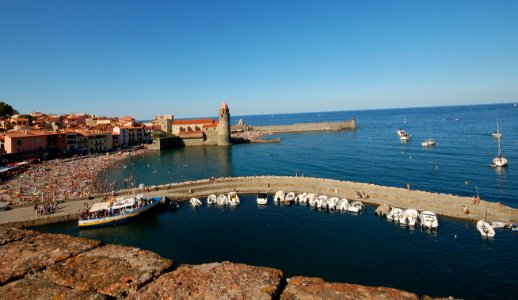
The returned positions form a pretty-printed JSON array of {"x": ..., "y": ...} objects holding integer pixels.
[
  {"x": 195, "y": 202},
  {"x": 212, "y": 199},
  {"x": 497, "y": 225},
  {"x": 394, "y": 214},
  {"x": 279, "y": 196},
  {"x": 290, "y": 198},
  {"x": 499, "y": 162},
  {"x": 262, "y": 199},
  {"x": 222, "y": 200},
  {"x": 429, "y": 220},
  {"x": 302, "y": 198},
  {"x": 428, "y": 143},
  {"x": 233, "y": 199},
  {"x": 409, "y": 217},
  {"x": 355, "y": 207},
  {"x": 343, "y": 204},
  {"x": 485, "y": 229}
]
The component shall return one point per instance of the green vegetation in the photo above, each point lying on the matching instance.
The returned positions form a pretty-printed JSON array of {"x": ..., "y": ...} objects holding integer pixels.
[{"x": 7, "y": 110}]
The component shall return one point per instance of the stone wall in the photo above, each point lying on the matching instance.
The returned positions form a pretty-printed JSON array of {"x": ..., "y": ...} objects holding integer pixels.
[{"x": 56, "y": 266}]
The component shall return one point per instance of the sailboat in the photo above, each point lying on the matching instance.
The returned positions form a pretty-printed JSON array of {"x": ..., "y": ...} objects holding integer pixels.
[
  {"x": 499, "y": 160},
  {"x": 429, "y": 142},
  {"x": 497, "y": 134}
]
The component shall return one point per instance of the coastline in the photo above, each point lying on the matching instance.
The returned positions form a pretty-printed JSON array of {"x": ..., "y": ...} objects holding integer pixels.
[{"x": 445, "y": 205}]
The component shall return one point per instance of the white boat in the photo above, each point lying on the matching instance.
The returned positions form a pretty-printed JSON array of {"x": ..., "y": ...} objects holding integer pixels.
[
  {"x": 333, "y": 203},
  {"x": 485, "y": 229},
  {"x": 405, "y": 137},
  {"x": 212, "y": 199},
  {"x": 195, "y": 202},
  {"x": 222, "y": 200},
  {"x": 499, "y": 160},
  {"x": 262, "y": 198},
  {"x": 302, "y": 198},
  {"x": 311, "y": 198},
  {"x": 290, "y": 198},
  {"x": 497, "y": 225},
  {"x": 356, "y": 207},
  {"x": 343, "y": 204},
  {"x": 322, "y": 199},
  {"x": 400, "y": 132},
  {"x": 233, "y": 199},
  {"x": 116, "y": 211},
  {"x": 279, "y": 196},
  {"x": 428, "y": 143},
  {"x": 394, "y": 214},
  {"x": 429, "y": 220},
  {"x": 409, "y": 217}
]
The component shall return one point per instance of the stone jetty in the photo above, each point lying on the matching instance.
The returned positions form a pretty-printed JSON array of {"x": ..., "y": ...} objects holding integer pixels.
[
  {"x": 307, "y": 127},
  {"x": 55, "y": 266},
  {"x": 442, "y": 204}
]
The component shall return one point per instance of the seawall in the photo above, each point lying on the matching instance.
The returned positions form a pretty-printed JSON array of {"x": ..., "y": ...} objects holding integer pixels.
[
  {"x": 57, "y": 266},
  {"x": 308, "y": 127},
  {"x": 443, "y": 204}
]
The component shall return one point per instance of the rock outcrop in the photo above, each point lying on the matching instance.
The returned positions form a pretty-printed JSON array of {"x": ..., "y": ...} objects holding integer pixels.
[
  {"x": 216, "y": 281},
  {"x": 55, "y": 266},
  {"x": 311, "y": 288},
  {"x": 111, "y": 270},
  {"x": 38, "y": 252}
]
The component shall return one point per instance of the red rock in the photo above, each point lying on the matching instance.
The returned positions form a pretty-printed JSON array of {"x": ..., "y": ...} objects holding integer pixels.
[
  {"x": 8, "y": 235},
  {"x": 38, "y": 252},
  {"x": 37, "y": 289},
  {"x": 316, "y": 288},
  {"x": 112, "y": 270},
  {"x": 215, "y": 281}
]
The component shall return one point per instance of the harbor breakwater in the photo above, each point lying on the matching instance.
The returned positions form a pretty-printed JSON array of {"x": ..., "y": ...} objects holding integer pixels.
[
  {"x": 442, "y": 204},
  {"x": 57, "y": 266},
  {"x": 307, "y": 127}
]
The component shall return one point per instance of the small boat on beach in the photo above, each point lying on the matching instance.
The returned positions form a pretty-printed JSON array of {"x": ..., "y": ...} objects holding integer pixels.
[
  {"x": 429, "y": 220},
  {"x": 195, "y": 202},
  {"x": 485, "y": 229},
  {"x": 355, "y": 207},
  {"x": 116, "y": 211},
  {"x": 279, "y": 196},
  {"x": 233, "y": 199},
  {"x": 262, "y": 198}
]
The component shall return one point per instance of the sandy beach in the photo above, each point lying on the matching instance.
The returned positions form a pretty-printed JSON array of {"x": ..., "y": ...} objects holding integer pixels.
[{"x": 60, "y": 180}]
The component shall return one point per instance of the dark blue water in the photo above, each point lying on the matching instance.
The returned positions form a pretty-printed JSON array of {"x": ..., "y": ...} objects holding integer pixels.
[{"x": 343, "y": 247}]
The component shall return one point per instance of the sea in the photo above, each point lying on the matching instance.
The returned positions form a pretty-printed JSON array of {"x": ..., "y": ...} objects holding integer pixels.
[{"x": 343, "y": 247}]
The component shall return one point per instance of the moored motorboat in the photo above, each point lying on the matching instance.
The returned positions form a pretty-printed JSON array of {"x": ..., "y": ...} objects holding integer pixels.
[
  {"x": 400, "y": 132},
  {"x": 485, "y": 229},
  {"x": 343, "y": 204},
  {"x": 195, "y": 202},
  {"x": 212, "y": 199},
  {"x": 333, "y": 203},
  {"x": 174, "y": 205},
  {"x": 262, "y": 198},
  {"x": 116, "y": 211},
  {"x": 409, "y": 217},
  {"x": 311, "y": 198},
  {"x": 406, "y": 137},
  {"x": 279, "y": 196},
  {"x": 233, "y": 199},
  {"x": 355, "y": 207},
  {"x": 222, "y": 200},
  {"x": 429, "y": 220},
  {"x": 302, "y": 198},
  {"x": 290, "y": 198},
  {"x": 497, "y": 225},
  {"x": 394, "y": 214}
]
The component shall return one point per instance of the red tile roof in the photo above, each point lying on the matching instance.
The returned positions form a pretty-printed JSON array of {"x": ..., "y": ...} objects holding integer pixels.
[{"x": 193, "y": 122}]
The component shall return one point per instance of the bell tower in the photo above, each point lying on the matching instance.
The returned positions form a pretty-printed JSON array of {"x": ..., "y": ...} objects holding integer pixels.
[{"x": 224, "y": 125}]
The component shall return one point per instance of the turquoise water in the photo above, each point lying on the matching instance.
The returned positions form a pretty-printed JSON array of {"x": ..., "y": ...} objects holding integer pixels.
[{"x": 343, "y": 247}]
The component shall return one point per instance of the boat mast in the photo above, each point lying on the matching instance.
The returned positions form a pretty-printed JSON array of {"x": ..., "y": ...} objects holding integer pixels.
[{"x": 498, "y": 138}]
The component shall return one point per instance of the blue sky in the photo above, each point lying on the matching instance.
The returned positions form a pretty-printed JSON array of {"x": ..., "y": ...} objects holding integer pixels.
[{"x": 143, "y": 58}]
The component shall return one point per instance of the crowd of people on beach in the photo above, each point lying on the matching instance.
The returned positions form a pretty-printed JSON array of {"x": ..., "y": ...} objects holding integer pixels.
[{"x": 61, "y": 179}]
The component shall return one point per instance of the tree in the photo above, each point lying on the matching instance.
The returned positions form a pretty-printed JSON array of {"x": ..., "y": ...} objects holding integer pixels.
[{"x": 7, "y": 110}]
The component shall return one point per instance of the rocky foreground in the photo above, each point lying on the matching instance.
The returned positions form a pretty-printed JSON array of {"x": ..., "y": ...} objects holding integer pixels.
[{"x": 55, "y": 266}]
